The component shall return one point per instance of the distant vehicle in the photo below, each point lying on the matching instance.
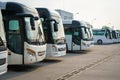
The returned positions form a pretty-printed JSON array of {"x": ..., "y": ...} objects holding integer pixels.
[
  {"x": 102, "y": 36},
  {"x": 78, "y": 35},
  {"x": 24, "y": 34},
  {"x": 54, "y": 32},
  {"x": 3, "y": 48},
  {"x": 65, "y": 15}
]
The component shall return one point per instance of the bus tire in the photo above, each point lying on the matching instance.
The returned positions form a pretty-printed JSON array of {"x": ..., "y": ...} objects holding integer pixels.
[{"x": 100, "y": 42}]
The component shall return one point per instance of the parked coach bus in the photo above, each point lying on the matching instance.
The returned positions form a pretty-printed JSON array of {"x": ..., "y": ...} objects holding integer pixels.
[
  {"x": 102, "y": 36},
  {"x": 3, "y": 48},
  {"x": 53, "y": 31},
  {"x": 24, "y": 35},
  {"x": 78, "y": 35}
]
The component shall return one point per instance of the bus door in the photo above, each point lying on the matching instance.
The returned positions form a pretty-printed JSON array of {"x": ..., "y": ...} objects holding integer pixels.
[
  {"x": 13, "y": 35},
  {"x": 76, "y": 39}
]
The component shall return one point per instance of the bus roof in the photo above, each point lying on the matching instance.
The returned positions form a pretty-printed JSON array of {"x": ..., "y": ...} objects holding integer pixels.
[
  {"x": 98, "y": 30},
  {"x": 79, "y": 23},
  {"x": 76, "y": 23},
  {"x": 18, "y": 8},
  {"x": 47, "y": 13}
]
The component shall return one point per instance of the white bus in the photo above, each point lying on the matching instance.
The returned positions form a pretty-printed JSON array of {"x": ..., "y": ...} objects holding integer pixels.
[
  {"x": 24, "y": 34},
  {"x": 54, "y": 32},
  {"x": 78, "y": 35},
  {"x": 3, "y": 48},
  {"x": 102, "y": 36}
]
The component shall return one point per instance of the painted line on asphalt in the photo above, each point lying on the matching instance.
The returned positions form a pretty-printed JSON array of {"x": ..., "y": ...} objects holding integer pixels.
[{"x": 81, "y": 69}]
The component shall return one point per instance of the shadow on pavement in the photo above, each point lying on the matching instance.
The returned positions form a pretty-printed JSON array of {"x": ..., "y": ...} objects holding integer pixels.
[
  {"x": 79, "y": 52},
  {"x": 22, "y": 68}
]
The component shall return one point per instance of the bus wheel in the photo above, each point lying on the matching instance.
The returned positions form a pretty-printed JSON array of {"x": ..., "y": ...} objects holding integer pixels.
[{"x": 100, "y": 42}]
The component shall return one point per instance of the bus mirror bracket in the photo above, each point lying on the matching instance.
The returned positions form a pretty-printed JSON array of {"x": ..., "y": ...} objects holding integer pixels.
[{"x": 55, "y": 25}]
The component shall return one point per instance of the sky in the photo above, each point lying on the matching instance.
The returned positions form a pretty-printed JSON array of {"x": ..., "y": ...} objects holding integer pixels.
[{"x": 96, "y": 12}]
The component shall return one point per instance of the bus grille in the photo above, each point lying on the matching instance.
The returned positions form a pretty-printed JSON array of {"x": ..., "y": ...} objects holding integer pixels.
[
  {"x": 2, "y": 61},
  {"x": 61, "y": 49}
]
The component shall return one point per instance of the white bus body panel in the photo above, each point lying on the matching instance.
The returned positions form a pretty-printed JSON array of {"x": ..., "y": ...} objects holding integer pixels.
[
  {"x": 54, "y": 50},
  {"x": 118, "y": 40},
  {"x": 3, "y": 68},
  {"x": 85, "y": 45},
  {"x": 68, "y": 41},
  {"x": 115, "y": 40},
  {"x": 39, "y": 55},
  {"x": 14, "y": 58},
  {"x": 32, "y": 54},
  {"x": 103, "y": 38}
]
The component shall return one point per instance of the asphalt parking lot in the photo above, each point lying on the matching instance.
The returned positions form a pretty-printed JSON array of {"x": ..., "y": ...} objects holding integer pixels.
[{"x": 101, "y": 62}]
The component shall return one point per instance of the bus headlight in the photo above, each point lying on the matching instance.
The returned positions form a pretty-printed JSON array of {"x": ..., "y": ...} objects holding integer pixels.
[{"x": 30, "y": 51}]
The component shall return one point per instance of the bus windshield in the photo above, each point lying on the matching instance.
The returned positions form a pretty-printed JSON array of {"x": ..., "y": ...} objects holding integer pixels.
[
  {"x": 33, "y": 36},
  {"x": 90, "y": 33},
  {"x": 85, "y": 33},
  {"x": 60, "y": 32}
]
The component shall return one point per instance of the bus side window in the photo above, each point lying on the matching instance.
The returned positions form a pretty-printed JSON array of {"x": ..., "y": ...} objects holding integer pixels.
[
  {"x": 76, "y": 34},
  {"x": 14, "y": 25}
]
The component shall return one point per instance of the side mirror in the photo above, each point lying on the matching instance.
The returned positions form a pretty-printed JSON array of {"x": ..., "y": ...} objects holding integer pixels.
[
  {"x": 55, "y": 26},
  {"x": 39, "y": 31},
  {"x": 85, "y": 30},
  {"x": 106, "y": 35},
  {"x": 32, "y": 23},
  {"x": 36, "y": 18},
  {"x": 31, "y": 19}
]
